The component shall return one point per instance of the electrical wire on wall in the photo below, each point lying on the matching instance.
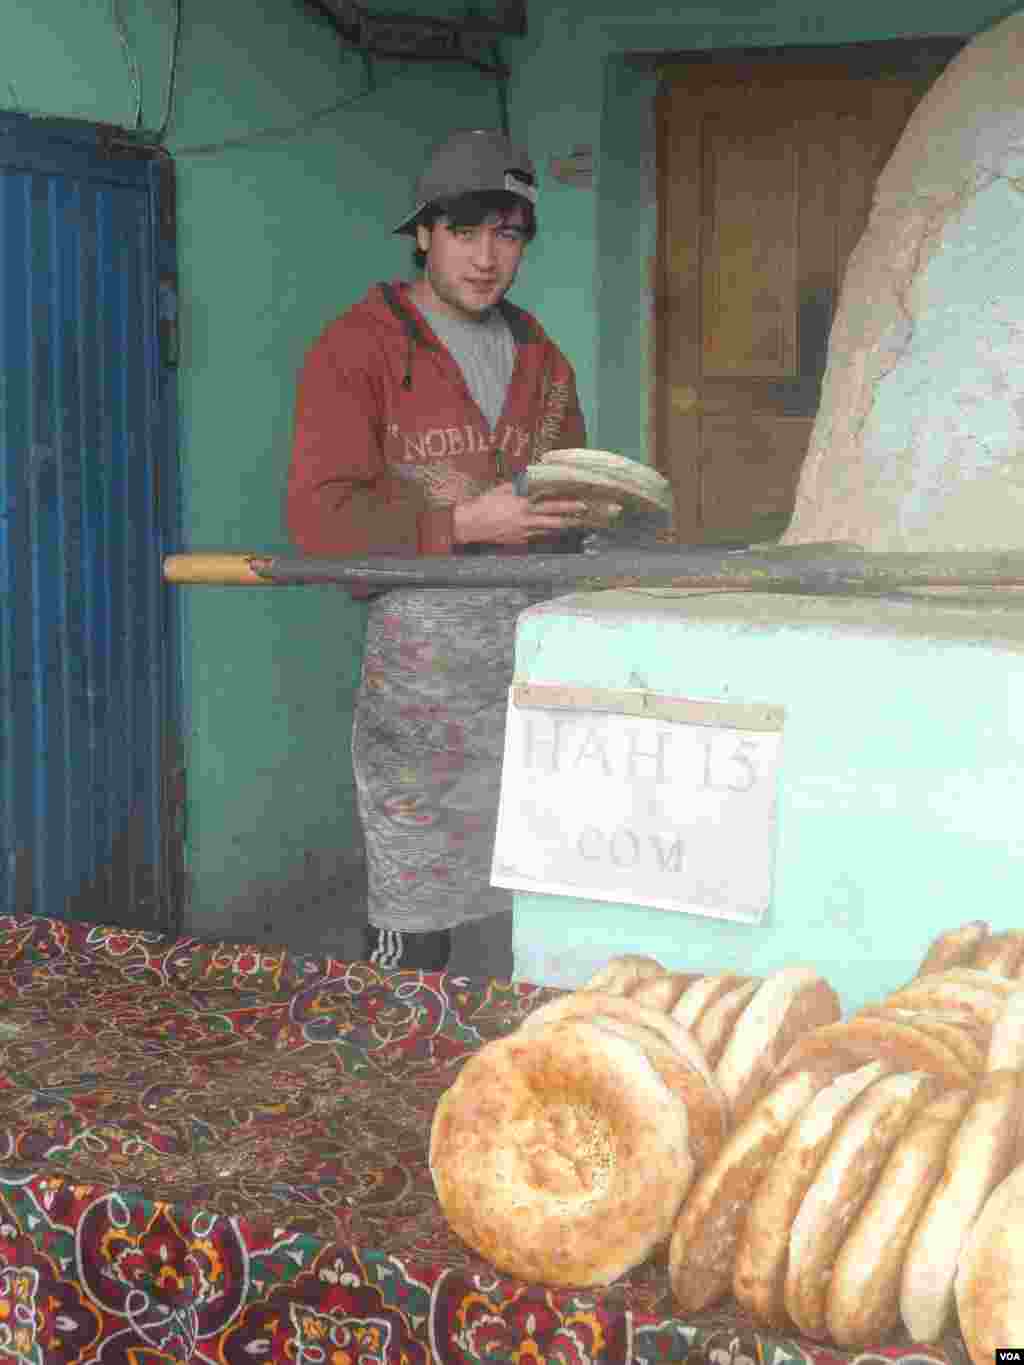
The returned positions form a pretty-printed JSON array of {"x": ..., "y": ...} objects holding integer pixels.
[
  {"x": 172, "y": 72},
  {"x": 129, "y": 56},
  {"x": 277, "y": 133}
]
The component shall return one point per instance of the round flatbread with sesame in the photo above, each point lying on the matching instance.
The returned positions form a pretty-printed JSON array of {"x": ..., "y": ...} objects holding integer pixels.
[
  {"x": 708, "y": 1112},
  {"x": 560, "y": 1155}
]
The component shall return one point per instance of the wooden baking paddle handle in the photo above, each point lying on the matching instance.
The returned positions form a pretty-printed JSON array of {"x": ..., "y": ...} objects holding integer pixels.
[{"x": 216, "y": 568}]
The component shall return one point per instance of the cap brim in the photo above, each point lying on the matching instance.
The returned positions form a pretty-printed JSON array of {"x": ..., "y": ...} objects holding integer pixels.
[{"x": 407, "y": 225}]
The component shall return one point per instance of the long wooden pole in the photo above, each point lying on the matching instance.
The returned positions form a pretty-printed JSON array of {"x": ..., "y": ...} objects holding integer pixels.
[{"x": 808, "y": 568}]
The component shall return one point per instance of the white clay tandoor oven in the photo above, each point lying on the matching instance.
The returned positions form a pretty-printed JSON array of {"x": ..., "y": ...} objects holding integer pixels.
[
  {"x": 900, "y": 768},
  {"x": 897, "y": 781}
]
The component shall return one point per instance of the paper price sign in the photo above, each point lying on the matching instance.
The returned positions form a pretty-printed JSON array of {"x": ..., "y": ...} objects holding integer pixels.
[{"x": 668, "y": 802}]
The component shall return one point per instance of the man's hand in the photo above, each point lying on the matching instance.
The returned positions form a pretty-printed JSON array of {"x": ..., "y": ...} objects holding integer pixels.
[{"x": 501, "y": 517}]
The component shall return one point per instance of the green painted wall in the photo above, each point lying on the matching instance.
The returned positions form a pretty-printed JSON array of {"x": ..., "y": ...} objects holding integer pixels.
[{"x": 279, "y": 235}]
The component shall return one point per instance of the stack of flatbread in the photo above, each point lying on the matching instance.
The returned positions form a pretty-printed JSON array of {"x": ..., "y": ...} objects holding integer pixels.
[
  {"x": 837, "y": 1179},
  {"x": 839, "y": 1208},
  {"x": 617, "y": 490},
  {"x": 563, "y": 1152},
  {"x": 974, "y": 945}
]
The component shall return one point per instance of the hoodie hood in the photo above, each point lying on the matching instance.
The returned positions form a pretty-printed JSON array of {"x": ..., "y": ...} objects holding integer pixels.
[{"x": 388, "y": 304}]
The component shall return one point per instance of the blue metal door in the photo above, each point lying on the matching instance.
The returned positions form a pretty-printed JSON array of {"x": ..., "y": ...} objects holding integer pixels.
[{"x": 90, "y": 768}]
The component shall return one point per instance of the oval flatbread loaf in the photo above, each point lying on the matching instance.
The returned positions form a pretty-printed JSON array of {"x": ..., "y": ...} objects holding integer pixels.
[
  {"x": 620, "y": 973},
  {"x": 954, "y": 947},
  {"x": 1006, "y": 1046},
  {"x": 989, "y": 1276},
  {"x": 902, "y": 1046},
  {"x": 982, "y": 1006},
  {"x": 708, "y": 1227},
  {"x": 700, "y": 995},
  {"x": 560, "y": 1155},
  {"x": 714, "y": 1027},
  {"x": 662, "y": 992},
  {"x": 843, "y": 1182},
  {"x": 788, "y": 1004},
  {"x": 708, "y": 1112},
  {"x": 971, "y": 976},
  {"x": 956, "y": 1032},
  {"x": 979, "y": 1157},
  {"x": 762, "y": 1256},
  {"x": 864, "y": 1294},
  {"x": 977, "y": 994},
  {"x": 1001, "y": 954}
]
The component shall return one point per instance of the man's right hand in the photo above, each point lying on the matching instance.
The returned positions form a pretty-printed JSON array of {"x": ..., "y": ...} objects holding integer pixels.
[{"x": 502, "y": 517}]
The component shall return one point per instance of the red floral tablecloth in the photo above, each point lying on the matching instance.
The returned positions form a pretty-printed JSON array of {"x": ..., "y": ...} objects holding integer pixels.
[{"x": 217, "y": 1153}]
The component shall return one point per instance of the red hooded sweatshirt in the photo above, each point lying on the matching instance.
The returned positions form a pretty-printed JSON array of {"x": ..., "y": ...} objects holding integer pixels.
[{"x": 388, "y": 437}]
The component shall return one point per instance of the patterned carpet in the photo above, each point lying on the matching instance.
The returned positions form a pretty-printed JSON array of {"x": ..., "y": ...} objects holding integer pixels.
[{"x": 217, "y": 1153}]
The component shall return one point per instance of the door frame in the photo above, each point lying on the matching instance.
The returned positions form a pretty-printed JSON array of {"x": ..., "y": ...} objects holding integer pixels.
[{"x": 899, "y": 57}]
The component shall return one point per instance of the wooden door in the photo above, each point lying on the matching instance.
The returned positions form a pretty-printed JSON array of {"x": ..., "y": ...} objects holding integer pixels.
[{"x": 766, "y": 172}]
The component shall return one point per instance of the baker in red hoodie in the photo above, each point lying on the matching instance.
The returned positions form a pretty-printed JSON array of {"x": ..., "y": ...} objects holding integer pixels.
[{"x": 415, "y": 410}]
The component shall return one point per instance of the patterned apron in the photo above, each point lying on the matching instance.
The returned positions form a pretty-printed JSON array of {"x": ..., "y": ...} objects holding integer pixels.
[{"x": 427, "y": 746}]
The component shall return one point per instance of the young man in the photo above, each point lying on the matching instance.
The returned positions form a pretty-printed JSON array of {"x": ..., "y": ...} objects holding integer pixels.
[{"x": 414, "y": 411}]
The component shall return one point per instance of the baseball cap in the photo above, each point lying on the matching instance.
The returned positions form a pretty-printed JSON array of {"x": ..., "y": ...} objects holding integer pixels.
[{"x": 469, "y": 162}]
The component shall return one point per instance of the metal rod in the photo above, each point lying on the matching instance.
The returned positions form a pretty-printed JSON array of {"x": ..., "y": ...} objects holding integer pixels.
[{"x": 818, "y": 569}]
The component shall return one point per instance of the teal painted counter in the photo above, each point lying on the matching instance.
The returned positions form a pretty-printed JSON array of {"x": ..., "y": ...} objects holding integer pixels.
[{"x": 900, "y": 786}]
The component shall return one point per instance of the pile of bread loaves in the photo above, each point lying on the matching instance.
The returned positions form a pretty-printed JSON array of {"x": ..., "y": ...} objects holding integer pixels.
[{"x": 836, "y": 1177}]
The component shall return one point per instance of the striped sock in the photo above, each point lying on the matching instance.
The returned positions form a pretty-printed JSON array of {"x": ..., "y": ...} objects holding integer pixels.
[{"x": 391, "y": 948}]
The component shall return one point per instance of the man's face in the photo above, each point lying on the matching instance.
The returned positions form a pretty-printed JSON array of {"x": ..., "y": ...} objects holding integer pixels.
[{"x": 470, "y": 269}]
